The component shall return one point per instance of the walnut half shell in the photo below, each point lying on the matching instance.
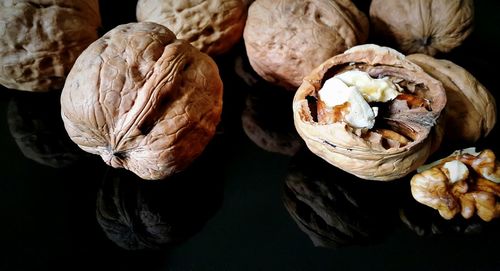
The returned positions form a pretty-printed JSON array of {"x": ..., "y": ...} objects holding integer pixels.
[
  {"x": 142, "y": 100},
  {"x": 406, "y": 129},
  {"x": 465, "y": 182}
]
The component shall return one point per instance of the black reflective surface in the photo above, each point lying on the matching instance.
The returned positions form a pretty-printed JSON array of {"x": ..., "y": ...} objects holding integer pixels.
[{"x": 255, "y": 200}]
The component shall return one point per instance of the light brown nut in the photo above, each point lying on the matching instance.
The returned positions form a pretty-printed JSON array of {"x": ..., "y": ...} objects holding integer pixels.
[
  {"x": 423, "y": 26},
  {"x": 286, "y": 39},
  {"x": 367, "y": 154},
  {"x": 434, "y": 187},
  {"x": 143, "y": 100},
  {"x": 42, "y": 39},
  {"x": 471, "y": 109},
  {"x": 212, "y": 26}
]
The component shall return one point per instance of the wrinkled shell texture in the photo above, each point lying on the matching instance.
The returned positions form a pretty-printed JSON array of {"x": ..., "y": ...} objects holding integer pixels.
[
  {"x": 472, "y": 194},
  {"x": 143, "y": 100},
  {"x": 42, "y": 39},
  {"x": 471, "y": 109},
  {"x": 286, "y": 39},
  {"x": 340, "y": 145},
  {"x": 212, "y": 26},
  {"x": 423, "y": 26}
]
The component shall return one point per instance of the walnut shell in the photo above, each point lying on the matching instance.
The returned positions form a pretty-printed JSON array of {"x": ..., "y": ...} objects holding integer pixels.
[
  {"x": 143, "y": 100},
  {"x": 371, "y": 154},
  {"x": 42, "y": 39},
  {"x": 471, "y": 109},
  {"x": 286, "y": 39},
  {"x": 423, "y": 26},
  {"x": 212, "y": 26}
]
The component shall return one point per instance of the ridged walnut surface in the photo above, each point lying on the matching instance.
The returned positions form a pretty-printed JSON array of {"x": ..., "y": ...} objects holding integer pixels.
[
  {"x": 143, "y": 100},
  {"x": 212, "y": 26},
  {"x": 423, "y": 26},
  {"x": 41, "y": 40},
  {"x": 340, "y": 145},
  {"x": 286, "y": 39},
  {"x": 471, "y": 109}
]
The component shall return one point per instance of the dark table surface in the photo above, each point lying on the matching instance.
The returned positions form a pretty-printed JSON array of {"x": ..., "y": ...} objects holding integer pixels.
[{"x": 246, "y": 204}]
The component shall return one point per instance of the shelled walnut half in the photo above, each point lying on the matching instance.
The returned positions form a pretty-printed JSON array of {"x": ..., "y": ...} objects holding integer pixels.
[
  {"x": 370, "y": 112},
  {"x": 465, "y": 182}
]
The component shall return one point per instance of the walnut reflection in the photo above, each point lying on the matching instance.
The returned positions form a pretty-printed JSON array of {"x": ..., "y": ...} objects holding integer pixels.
[
  {"x": 335, "y": 208},
  {"x": 35, "y": 123},
  {"x": 136, "y": 214},
  {"x": 268, "y": 120}
]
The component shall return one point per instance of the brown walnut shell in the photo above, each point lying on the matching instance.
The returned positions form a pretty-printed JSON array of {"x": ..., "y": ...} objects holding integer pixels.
[
  {"x": 471, "y": 109},
  {"x": 370, "y": 154},
  {"x": 212, "y": 26},
  {"x": 286, "y": 39},
  {"x": 423, "y": 26},
  {"x": 143, "y": 100},
  {"x": 42, "y": 39}
]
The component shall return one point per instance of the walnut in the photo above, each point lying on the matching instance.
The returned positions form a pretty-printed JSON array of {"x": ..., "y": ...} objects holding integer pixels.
[
  {"x": 286, "y": 39},
  {"x": 42, "y": 39},
  {"x": 212, "y": 26},
  {"x": 423, "y": 26},
  {"x": 471, "y": 109},
  {"x": 35, "y": 124},
  {"x": 370, "y": 112},
  {"x": 464, "y": 182},
  {"x": 268, "y": 122},
  {"x": 142, "y": 100}
]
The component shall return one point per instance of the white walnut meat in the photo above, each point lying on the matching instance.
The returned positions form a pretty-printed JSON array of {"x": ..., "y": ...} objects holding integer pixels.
[
  {"x": 465, "y": 182},
  {"x": 471, "y": 109},
  {"x": 423, "y": 26},
  {"x": 286, "y": 39},
  {"x": 42, "y": 39},
  {"x": 212, "y": 26},
  {"x": 406, "y": 129},
  {"x": 143, "y": 100}
]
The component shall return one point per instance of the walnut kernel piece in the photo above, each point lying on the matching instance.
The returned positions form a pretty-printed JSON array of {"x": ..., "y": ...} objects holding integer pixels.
[
  {"x": 286, "y": 39},
  {"x": 42, "y": 39},
  {"x": 212, "y": 26},
  {"x": 464, "y": 182},
  {"x": 392, "y": 136},
  {"x": 423, "y": 26},
  {"x": 142, "y": 100}
]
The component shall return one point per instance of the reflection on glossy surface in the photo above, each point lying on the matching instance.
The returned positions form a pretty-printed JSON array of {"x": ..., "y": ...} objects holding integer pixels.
[
  {"x": 426, "y": 222},
  {"x": 35, "y": 124},
  {"x": 268, "y": 121},
  {"x": 335, "y": 208},
  {"x": 137, "y": 214}
]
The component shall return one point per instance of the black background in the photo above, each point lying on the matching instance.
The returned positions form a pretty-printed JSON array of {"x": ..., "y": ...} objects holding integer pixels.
[{"x": 233, "y": 194}]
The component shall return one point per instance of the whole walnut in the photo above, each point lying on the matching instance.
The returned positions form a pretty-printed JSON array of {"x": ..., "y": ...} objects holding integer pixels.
[
  {"x": 286, "y": 39},
  {"x": 423, "y": 26},
  {"x": 212, "y": 26},
  {"x": 143, "y": 100},
  {"x": 471, "y": 109},
  {"x": 42, "y": 39},
  {"x": 371, "y": 112}
]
